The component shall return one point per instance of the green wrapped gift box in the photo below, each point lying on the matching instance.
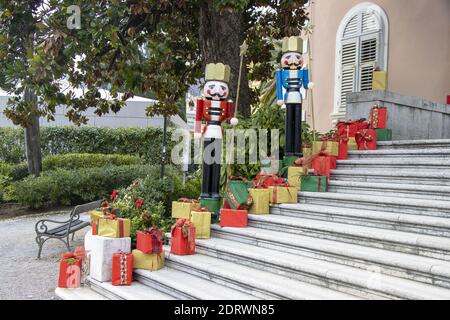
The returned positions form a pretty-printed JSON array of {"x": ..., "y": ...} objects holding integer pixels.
[
  {"x": 237, "y": 195},
  {"x": 384, "y": 134},
  {"x": 313, "y": 183}
]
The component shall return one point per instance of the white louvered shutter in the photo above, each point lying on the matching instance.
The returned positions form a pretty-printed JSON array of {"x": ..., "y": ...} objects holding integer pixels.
[
  {"x": 349, "y": 60},
  {"x": 359, "y": 55}
]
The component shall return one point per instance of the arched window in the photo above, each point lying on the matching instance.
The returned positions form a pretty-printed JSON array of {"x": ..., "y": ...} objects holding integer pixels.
[{"x": 361, "y": 45}]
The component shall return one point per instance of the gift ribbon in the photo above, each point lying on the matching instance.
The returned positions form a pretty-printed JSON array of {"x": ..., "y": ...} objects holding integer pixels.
[
  {"x": 187, "y": 200},
  {"x": 70, "y": 257},
  {"x": 364, "y": 137}
]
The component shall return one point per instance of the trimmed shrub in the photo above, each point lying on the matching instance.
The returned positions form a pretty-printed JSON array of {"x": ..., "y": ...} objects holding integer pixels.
[
  {"x": 143, "y": 142},
  {"x": 87, "y": 160},
  {"x": 71, "y": 187}
]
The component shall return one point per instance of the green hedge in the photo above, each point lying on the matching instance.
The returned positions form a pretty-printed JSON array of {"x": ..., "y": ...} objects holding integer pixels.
[
  {"x": 87, "y": 160},
  {"x": 71, "y": 187},
  {"x": 143, "y": 142}
]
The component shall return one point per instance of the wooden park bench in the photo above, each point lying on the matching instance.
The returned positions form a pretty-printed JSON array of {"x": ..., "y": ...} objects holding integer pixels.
[{"x": 62, "y": 230}]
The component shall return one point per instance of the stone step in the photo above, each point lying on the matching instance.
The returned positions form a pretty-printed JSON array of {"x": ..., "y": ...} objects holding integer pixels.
[
  {"x": 414, "y": 144},
  {"x": 136, "y": 291},
  {"x": 381, "y": 203},
  {"x": 184, "y": 285},
  {"x": 408, "y": 266},
  {"x": 419, "y": 191},
  {"x": 349, "y": 280},
  {"x": 437, "y": 178},
  {"x": 82, "y": 293},
  {"x": 257, "y": 282},
  {"x": 430, "y": 153},
  {"x": 421, "y": 224},
  {"x": 400, "y": 241},
  {"x": 397, "y": 164}
]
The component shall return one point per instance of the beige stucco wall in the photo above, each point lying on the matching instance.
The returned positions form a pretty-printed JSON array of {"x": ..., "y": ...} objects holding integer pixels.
[{"x": 418, "y": 50}]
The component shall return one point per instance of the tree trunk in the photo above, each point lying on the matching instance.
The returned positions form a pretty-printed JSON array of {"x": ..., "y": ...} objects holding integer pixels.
[
  {"x": 221, "y": 34},
  {"x": 32, "y": 139}
]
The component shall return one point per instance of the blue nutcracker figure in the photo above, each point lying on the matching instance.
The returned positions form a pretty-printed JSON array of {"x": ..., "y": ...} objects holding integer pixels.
[{"x": 290, "y": 79}]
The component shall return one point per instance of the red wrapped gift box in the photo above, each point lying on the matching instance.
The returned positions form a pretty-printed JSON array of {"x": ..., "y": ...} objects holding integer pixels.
[
  {"x": 323, "y": 165},
  {"x": 349, "y": 128},
  {"x": 343, "y": 149},
  {"x": 183, "y": 238},
  {"x": 122, "y": 269},
  {"x": 233, "y": 218},
  {"x": 264, "y": 180},
  {"x": 378, "y": 117},
  {"x": 149, "y": 241},
  {"x": 70, "y": 271},
  {"x": 366, "y": 139}
]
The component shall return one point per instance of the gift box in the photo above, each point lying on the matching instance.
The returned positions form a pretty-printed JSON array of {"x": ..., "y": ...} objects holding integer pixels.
[
  {"x": 384, "y": 134},
  {"x": 100, "y": 251},
  {"x": 154, "y": 261},
  {"x": 323, "y": 165},
  {"x": 236, "y": 194},
  {"x": 351, "y": 144},
  {"x": 149, "y": 240},
  {"x": 294, "y": 174},
  {"x": 379, "y": 80},
  {"x": 314, "y": 183},
  {"x": 307, "y": 152},
  {"x": 279, "y": 194},
  {"x": 122, "y": 269},
  {"x": 201, "y": 219},
  {"x": 113, "y": 227},
  {"x": 183, "y": 238},
  {"x": 70, "y": 268},
  {"x": 378, "y": 117},
  {"x": 366, "y": 139},
  {"x": 182, "y": 208},
  {"x": 343, "y": 149},
  {"x": 261, "y": 200},
  {"x": 263, "y": 180},
  {"x": 330, "y": 147},
  {"x": 95, "y": 215},
  {"x": 233, "y": 218}
]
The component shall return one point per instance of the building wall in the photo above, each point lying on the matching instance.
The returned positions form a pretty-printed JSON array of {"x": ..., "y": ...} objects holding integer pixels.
[{"x": 418, "y": 50}]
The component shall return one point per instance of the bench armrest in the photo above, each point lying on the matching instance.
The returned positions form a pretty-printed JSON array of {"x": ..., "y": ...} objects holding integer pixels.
[{"x": 41, "y": 226}]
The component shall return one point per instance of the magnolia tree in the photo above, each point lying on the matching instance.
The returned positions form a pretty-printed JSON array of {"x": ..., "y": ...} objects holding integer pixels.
[{"x": 156, "y": 48}]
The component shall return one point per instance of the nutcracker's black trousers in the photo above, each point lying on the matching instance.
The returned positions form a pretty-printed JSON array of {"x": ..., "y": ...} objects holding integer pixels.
[
  {"x": 211, "y": 168},
  {"x": 293, "y": 127}
]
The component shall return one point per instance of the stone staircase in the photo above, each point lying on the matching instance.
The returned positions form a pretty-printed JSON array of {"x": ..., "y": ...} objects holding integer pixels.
[{"x": 381, "y": 232}]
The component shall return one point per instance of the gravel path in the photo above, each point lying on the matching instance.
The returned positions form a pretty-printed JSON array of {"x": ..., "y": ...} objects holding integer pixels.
[{"x": 22, "y": 275}]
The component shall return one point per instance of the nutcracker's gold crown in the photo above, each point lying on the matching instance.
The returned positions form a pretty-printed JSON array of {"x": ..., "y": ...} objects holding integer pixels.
[
  {"x": 293, "y": 43},
  {"x": 218, "y": 72}
]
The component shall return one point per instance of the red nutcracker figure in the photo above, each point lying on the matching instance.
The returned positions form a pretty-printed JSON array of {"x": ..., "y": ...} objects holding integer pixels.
[{"x": 214, "y": 108}]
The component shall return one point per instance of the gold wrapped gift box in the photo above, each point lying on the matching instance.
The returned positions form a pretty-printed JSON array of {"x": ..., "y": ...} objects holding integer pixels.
[
  {"x": 379, "y": 80},
  {"x": 182, "y": 210},
  {"x": 153, "y": 261},
  {"x": 95, "y": 215},
  {"x": 283, "y": 194},
  {"x": 332, "y": 147},
  {"x": 202, "y": 223},
  {"x": 294, "y": 174},
  {"x": 114, "y": 228},
  {"x": 261, "y": 201},
  {"x": 352, "y": 145}
]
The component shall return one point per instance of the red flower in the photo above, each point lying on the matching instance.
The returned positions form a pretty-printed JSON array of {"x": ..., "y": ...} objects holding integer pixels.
[
  {"x": 139, "y": 203},
  {"x": 114, "y": 195}
]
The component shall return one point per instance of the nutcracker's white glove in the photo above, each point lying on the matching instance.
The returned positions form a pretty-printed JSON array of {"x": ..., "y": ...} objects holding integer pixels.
[
  {"x": 280, "y": 102},
  {"x": 234, "y": 121},
  {"x": 310, "y": 85}
]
